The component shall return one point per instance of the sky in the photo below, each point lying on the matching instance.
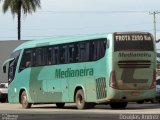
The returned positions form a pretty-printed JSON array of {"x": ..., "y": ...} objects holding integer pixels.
[{"x": 82, "y": 17}]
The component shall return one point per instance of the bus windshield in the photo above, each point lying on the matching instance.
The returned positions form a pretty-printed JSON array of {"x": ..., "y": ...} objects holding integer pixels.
[{"x": 133, "y": 42}]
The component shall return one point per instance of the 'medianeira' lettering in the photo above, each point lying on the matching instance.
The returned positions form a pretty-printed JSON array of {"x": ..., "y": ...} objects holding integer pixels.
[
  {"x": 59, "y": 73},
  {"x": 132, "y": 37}
]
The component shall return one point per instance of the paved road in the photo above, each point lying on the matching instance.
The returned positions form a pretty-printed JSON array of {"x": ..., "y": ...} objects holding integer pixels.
[{"x": 133, "y": 111}]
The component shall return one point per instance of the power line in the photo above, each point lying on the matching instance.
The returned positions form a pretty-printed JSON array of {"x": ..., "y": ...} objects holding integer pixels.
[
  {"x": 81, "y": 27},
  {"x": 92, "y": 12},
  {"x": 88, "y": 12},
  {"x": 69, "y": 35}
]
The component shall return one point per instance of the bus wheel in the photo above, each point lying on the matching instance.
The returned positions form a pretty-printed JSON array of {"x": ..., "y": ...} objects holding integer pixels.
[
  {"x": 140, "y": 102},
  {"x": 24, "y": 101},
  {"x": 119, "y": 105},
  {"x": 60, "y": 105},
  {"x": 91, "y": 105},
  {"x": 153, "y": 100},
  {"x": 80, "y": 100}
]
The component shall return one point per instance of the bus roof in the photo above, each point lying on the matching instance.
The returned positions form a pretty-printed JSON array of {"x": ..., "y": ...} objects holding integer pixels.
[
  {"x": 61, "y": 40},
  {"x": 57, "y": 40}
]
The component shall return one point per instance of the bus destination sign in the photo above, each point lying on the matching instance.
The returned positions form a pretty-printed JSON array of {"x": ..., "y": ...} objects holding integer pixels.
[{"x": 132, "y": 37}]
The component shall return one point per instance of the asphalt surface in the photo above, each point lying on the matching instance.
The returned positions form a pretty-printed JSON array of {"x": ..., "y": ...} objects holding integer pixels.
[{"x": 147, "y": 111}]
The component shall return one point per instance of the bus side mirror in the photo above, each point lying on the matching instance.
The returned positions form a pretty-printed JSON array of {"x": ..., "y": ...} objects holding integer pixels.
[{"x": 4, "y": 69}]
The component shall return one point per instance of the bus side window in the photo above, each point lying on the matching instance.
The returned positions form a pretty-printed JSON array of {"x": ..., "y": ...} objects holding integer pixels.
[
  {"x": 63, "y": 54},
  {"x": 71, "y": 52},
  {"x": 99, "y": 49},
  {"x": 91, "y": 51},
  {"x": 55, "y": 55},
  {"x": 34, "y": 58},
  {"x": 84, "y": 51},
  {"x": 26, "y": 60},
  {"x": 95, "y": 49},
  {"x": 49, "y": 56},
  {"x": 76, "y": 53},
  {"x": 102, "y": 48},
  {"x": 40, "y": 55}
]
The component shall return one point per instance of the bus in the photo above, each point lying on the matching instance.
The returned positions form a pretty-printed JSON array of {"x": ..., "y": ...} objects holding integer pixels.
[{"x": 109, "y": 68}]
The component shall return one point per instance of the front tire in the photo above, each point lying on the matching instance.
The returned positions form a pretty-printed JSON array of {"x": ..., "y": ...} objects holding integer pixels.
[
  {"x": 24, "y": 101},
  {"x": 3, "y": 100}
]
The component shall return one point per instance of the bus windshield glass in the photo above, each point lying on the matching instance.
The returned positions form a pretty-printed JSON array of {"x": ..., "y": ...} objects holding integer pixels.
[{"x": 133, "y": 42}]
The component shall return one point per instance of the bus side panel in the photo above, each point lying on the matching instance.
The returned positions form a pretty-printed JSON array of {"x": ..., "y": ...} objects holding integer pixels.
[
  {"x": 13, "y": 93},
  {"x": 88, "y": 86},
  {"x": 44, "y": 88},
  {"x": 90, "y": 89}
]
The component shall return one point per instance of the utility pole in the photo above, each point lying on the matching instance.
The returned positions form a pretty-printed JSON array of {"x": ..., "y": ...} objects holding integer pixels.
[{"x": 154, "y": 23}]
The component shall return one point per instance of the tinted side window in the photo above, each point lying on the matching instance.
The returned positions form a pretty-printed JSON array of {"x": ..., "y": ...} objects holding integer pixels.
[
  {"x": 63, "y": 54},
  {"x": 55, "y": 55},
  {"x": 97, "y": 49},
  {"x": 83, "y": 51},
  {"x": 40, "y": 56},
  {"x": 49, "y": 53},
  {"x": 73, "y": 53},
  {"x": 26, "y": 60}
]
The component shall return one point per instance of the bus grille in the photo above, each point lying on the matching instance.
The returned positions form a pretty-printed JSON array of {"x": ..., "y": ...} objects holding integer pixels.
[
  {"x": 134, "y": 64},
  {"x": 101, "y": 88}
]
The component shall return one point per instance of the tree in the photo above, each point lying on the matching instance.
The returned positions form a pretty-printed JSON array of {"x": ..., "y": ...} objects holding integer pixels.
[{"x": 19, "y": 6}]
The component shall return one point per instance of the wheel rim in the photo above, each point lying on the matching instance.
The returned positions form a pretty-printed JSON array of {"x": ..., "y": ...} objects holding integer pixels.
[
  {"x": 80, "y": 100},
  {"x": 24, "y": 100}
]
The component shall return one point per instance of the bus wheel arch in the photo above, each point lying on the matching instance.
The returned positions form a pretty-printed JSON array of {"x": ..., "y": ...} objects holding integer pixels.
[{"x": 23, "y": 99}]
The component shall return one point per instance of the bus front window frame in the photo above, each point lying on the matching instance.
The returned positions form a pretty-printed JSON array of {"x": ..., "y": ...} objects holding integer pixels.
[{"x": 13, "y": 65}]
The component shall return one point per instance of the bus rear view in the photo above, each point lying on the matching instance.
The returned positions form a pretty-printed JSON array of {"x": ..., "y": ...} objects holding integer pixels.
[{"x": 133, "y": 76}]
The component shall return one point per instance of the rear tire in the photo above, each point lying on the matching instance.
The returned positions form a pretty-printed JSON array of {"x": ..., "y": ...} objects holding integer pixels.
[
  {"x": 60, "y": 105},
  {"x": 153, "y": 101},
  {"x": 90, "y": 105},
  {"x": 119, "y": 105},
  {"x": 24, "y": 101},
  {"x": 80, "y": 100}
]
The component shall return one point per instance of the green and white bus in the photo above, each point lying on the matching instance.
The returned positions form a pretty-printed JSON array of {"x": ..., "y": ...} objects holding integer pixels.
[{"x": 114, "y": 68}]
